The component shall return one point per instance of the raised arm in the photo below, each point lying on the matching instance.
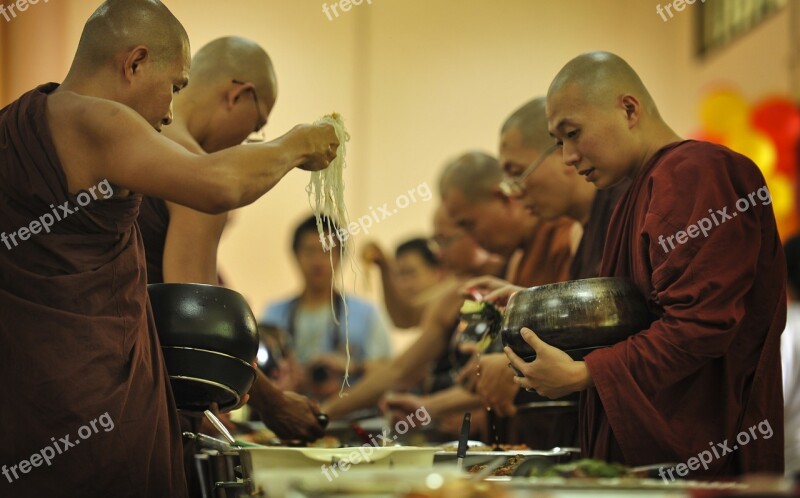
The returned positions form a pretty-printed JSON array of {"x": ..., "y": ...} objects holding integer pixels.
[{"x": 102, "y": 140}]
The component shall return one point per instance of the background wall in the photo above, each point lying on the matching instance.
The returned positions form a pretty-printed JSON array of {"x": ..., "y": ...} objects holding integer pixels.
[{"x": 419, "y": 81}]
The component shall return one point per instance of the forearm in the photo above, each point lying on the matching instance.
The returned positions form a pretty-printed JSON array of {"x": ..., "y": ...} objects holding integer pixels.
[
  {"x": 365, "y": 394},
  {"x": 247, "y": 172},
  {"x": 265, "y": 397},
  {"x": 454, "y": 399}
]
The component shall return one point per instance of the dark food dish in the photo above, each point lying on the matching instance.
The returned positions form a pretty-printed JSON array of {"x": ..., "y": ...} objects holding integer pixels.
[
  {"x": 577, "y": 316},
  {"x": 209, "y": 340}
]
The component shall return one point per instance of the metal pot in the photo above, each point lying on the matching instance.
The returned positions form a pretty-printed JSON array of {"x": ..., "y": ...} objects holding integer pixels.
[{"x": 576, "y": 316}]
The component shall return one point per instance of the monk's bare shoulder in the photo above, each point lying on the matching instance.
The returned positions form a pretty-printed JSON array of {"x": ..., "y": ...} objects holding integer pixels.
[
  {"x": 84, "y": 129},
  {"x": 86, "y": 114}
]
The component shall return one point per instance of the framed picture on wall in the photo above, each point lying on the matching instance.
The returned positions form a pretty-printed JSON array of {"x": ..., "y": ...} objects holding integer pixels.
[{"x": 719, "y": 22}]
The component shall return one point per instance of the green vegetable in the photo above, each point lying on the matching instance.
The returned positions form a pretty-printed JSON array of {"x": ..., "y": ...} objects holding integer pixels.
[
  {"x": 472, "y": 307},
  {"x": 583, "y": 468}
]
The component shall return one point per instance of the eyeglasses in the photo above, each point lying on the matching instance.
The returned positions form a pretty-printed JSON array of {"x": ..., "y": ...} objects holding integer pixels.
[
  {"x": 258, "y": 134},
  {"x": 512, "y": 186}
]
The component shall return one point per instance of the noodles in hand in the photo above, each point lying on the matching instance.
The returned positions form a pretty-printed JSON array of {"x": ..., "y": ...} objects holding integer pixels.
[{"x": 326, "y": 196}]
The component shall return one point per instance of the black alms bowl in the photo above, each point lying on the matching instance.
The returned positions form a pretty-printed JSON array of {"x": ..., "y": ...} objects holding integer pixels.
[
  {"x": 576, "y": 316},
  {"x": 209, "y": 340},
  {"x": 204, "y": 317}
]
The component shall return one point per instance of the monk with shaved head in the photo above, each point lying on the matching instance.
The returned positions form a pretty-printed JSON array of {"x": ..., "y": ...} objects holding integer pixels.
[
  {"x": 536, "y": 175},
  {"x": 88, "y": 409},
  {"x": 234, "y": 89},
  {"x": 696, "y": 234}
]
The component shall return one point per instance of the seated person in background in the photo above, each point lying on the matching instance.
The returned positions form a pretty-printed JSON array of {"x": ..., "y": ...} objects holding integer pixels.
[
  {"x": 790, "y": 356},
  {"x": 408, "y": 280},
  {"x": 318, "y": 338}
]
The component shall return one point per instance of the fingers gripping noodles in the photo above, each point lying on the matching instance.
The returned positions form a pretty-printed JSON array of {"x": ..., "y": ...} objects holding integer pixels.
[{"x": 326, "y": 196}]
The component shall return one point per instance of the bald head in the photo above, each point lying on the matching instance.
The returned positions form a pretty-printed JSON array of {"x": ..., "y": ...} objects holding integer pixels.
[
  {"x": 475, "y": 174},
  {"x": 604, "y": 118},
  {"x": 118, "y": 26},
  {"x": 602, "y": 78},
  {"x": 237, "y": 58},
  {"x": 531, "y": 122}
]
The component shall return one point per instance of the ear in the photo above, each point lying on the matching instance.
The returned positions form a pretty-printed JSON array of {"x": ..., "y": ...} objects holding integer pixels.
[
  {"x": 134, "y": 60},
  {"x": 633, "y": 109},
  {"x": 236, "y": 91}
]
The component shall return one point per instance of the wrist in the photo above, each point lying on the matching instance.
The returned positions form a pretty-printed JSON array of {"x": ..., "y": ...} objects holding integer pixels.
[
  {"x": 582, "y": 376},
  {"x": 265, "y": 397}
]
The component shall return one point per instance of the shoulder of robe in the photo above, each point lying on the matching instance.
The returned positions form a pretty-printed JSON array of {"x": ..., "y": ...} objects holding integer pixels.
[{"x": 695, "y": 168}]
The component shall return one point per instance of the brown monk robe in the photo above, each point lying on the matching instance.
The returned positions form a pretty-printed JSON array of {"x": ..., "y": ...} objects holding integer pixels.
[
  {"x": 696, "y": 234},
  {"x": 87, "y": 408},
  {"x": 589, "y": 255},
  {"x": 76, "y": 331},
  {"x": 722, "y": 307}
]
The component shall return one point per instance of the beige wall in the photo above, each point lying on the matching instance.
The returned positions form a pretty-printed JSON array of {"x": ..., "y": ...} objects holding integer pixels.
[{"x": 418, "y": 80}]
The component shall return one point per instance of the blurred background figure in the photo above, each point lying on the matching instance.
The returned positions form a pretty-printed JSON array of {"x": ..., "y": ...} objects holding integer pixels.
[
  {"x": 276, "y": 357},
  {"x": 790, "y": 356},
  {"x": 319, "y": 336},
  {"x": 409, "y": 280}
]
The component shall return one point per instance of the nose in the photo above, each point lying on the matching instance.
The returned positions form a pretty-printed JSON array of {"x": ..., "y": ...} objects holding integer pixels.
[
  {"x": 570, "y": 155},
  {"x": 168, "y": 118}
]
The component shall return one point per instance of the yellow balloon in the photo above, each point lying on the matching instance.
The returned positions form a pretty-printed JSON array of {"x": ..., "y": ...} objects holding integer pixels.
[
  {"x": 781, "y": 191},
  {"x": 757, "y": 146},
  {"x": 724, "y": 112}
]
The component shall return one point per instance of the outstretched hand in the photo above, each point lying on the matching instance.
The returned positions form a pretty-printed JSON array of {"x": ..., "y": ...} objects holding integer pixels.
[
  {"x": 491, "y": 289},
  {"x": 553, "y": 374}
]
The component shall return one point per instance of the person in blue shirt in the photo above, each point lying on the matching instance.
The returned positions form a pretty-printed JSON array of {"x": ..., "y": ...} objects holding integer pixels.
[{"x": 317, "y": 339}]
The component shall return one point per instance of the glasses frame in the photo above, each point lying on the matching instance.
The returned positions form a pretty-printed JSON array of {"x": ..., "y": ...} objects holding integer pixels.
[
  {"x": 512, "y": 186},
  {"x": 258, "y": 135}
]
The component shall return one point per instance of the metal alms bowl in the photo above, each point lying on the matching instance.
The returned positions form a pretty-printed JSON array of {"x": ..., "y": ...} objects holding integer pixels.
[
  {"x": 209, "y": 339},
  {"x": 576, "y": 316}
]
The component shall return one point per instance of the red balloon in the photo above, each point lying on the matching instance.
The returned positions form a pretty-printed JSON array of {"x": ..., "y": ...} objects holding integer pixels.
[
  {"x": 787, "y": 160},
  {"x": 779, "y": 118}
]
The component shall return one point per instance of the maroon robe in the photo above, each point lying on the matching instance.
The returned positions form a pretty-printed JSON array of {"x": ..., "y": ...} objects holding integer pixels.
[
  {"x": 709, "y": 366},
  {"x": 77, "y": 338},
  {"x": 154, "y": 223},
  {"x": 586, "y": 262}
]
